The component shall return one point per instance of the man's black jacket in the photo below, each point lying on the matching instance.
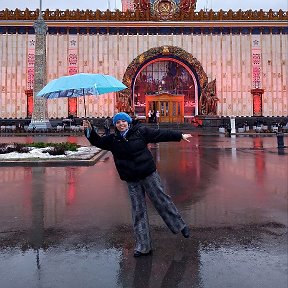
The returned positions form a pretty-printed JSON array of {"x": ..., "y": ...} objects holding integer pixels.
[{"x": 132, "y": 158}]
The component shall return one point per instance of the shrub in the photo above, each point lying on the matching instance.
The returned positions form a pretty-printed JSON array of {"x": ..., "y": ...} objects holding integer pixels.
[
  {"x": 38, "y": 145},
  {"x": 65, "y": 145},
  {"x": 16, "y": 147},
  {"x": 21, "y": 148},
  {"x": 58, "y": 150}
]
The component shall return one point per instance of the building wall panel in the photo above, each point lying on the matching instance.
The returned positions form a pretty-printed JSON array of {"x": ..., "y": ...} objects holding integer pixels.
[{"x": 224, "y": 57}]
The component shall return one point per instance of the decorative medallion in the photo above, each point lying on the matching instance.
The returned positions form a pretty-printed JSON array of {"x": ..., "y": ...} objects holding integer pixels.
[
  {"x": 141, "y": 58},
  {"x": 165, "y": 50},
  {"x": 164, "y": 9}
]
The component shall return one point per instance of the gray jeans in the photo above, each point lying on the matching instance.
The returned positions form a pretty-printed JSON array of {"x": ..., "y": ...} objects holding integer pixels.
[{"x": 162, "y": 202}]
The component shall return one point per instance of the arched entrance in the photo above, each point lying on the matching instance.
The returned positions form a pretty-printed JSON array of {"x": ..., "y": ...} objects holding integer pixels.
[
  {"x": 166, "y": 79},
  {"x": 168, "y": 86}
]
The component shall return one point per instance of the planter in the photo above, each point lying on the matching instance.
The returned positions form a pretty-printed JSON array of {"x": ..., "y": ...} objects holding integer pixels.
[
  {"x": 221, "y": 130},
  {"x": 241, "y": 130}
]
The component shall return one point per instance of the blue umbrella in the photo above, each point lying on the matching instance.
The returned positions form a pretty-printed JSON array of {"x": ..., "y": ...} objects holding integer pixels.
[{"x": 80, "y": 85}]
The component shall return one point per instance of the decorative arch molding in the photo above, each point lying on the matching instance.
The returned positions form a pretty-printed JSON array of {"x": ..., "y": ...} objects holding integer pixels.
[{"x": 141, "y": 60}]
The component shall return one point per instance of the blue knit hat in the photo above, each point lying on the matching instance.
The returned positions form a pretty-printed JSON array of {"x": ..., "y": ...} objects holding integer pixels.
[{"x": 122, "y": 116}]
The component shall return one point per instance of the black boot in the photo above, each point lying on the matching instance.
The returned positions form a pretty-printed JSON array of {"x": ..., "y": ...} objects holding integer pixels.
[
  {"x": 138, "y": 253},
  {"x": 185, "y": 232}
]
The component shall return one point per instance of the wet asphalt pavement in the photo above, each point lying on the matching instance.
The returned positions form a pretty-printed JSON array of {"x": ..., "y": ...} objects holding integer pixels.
[{"x": 71, "y": 226}]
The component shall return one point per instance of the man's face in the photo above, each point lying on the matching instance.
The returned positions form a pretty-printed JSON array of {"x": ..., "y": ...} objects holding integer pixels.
[{"x": 122, "y": 125}]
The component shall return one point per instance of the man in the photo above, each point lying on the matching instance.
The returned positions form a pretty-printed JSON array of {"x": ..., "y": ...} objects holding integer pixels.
[{"x": 107, "y": 124}]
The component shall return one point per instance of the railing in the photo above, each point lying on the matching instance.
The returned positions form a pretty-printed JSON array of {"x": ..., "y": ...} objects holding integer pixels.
[{"x": 88, "y": 15}]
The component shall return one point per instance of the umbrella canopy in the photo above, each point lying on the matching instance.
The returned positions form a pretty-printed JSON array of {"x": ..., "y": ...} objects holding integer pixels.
[{"x": 80, "y": 85}]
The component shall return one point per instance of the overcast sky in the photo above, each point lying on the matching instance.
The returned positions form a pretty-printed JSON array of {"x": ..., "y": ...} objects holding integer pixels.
[{"x": 104, "y": 4}]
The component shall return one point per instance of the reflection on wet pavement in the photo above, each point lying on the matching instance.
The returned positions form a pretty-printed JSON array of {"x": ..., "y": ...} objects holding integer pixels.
[{"x": 71, "y": 226}]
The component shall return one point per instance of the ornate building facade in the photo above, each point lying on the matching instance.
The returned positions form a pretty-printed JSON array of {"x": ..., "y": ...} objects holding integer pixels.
[{"x": 172, "y": 58}]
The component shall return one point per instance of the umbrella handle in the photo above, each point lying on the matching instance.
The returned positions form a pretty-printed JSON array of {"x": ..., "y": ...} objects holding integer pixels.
[{"x": 84, "y": 106}]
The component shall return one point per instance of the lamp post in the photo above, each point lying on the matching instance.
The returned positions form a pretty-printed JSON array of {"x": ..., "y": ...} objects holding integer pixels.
[{"x": 232, "y": 125}]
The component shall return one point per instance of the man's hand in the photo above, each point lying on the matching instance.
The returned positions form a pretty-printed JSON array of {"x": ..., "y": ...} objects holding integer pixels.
[{"x": 186, "y": 136}]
